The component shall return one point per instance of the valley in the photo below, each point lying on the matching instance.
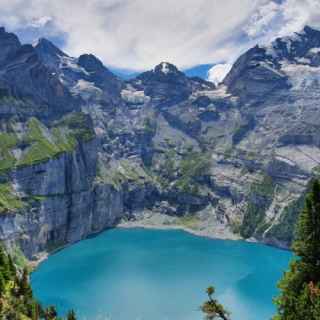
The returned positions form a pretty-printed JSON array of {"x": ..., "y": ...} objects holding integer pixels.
[{"x": 83, "y": 151}]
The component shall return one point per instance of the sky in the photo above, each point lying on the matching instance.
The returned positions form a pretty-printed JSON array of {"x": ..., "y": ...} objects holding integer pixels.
[{"x": 136, "y": 35}]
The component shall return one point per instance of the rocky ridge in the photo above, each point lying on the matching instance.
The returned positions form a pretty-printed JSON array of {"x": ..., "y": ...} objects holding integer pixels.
[{"x": 82, "y": 150}]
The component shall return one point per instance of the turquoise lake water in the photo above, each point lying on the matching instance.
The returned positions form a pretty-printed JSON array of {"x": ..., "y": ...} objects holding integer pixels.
[{"x": 139, "y": 274}]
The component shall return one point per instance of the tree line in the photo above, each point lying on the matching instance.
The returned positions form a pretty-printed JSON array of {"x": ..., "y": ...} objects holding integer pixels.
[{"x": 16, "y": 298}]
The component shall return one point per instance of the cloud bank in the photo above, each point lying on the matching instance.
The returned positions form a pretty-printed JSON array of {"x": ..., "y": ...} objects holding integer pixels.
[{"x": 138, "y": 34}]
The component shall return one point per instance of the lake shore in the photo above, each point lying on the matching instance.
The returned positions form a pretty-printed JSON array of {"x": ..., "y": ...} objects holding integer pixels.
[
  {"x": 207, "y": 228},
  {"x": 150, "y": 220},
  {"x": 190, "y": 225}
]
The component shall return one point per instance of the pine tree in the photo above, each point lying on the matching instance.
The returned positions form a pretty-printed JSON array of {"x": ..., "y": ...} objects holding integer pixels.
[
  {"x": 12, "y": 267},
  {"x": 24, "y": 286},
  {"x": 2, "y": 285},
  {"x": 50, "y": 313},
  {"x": 71, "y": 315},
  {"x": 35, "y": 311},
  {"x": 17, "y": 301},
  {"x": 212, "y": 308},
  {"x": 300, "y": 286},
  {"x": 4, "y": 267}
]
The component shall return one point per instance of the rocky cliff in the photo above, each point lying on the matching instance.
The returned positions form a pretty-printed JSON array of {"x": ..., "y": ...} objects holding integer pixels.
[{"x": 82, "y": 150}]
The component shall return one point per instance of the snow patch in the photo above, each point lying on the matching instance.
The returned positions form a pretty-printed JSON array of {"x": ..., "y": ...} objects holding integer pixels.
[
  {"x": 219, "y": 93},
  {"x": 68, "y": 62},
  {"x": 267, "y": 66},
  {"x": 301, "y": 76},
  {"x": 314, "y": 50},
  {"x": 134, "y": 97},
  {"x": 85, "y": 89},
  {"x": 218, "y": 72},
  {"x": 303, "y": 60},
  {"x": 165, "y": 68}
]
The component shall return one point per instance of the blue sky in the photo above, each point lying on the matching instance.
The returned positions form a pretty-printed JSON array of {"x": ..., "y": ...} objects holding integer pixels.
[{"x": 138, "y": 34}]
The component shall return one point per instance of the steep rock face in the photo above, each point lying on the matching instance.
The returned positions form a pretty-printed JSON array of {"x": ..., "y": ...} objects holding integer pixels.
[
  {"x": 101, "y": 77},
  {"x": 86, "y": 76},
  {"x": 304, "y": 44},
  {"x": 25, "y": 77},
  {"x": 9, "y": 45},
  {"x": 49, "y": 53},
  {"x": 254, "y": 75},
  {"x": 263, "y": 70},
  {"x": 65, "y": 204}
]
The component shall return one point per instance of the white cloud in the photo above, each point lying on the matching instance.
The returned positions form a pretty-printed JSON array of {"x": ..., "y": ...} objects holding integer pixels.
[
  {"x": 260, "y": 21},
  {"x": 40, "y": 22},
  {"x": 273, "y": 20},
  {"x": 137, "y": 34},
  {"x": 218, "y": 72}
]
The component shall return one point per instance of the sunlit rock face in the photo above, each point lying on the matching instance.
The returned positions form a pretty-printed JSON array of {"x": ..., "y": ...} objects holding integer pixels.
[{"x": 232, "y": 160}]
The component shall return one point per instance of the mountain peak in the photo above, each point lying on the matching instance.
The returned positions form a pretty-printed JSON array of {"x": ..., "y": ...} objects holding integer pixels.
[
  {"x": 46, "y": 47},
  {"x": 9, "y": 44},
  {"x": 166, "y": 68},
  {"x": 164, "y": 72},
  {"x": 99, "y": 73},
  {"x": 295, "y": 46},
  {"x": 91, "y": 63},
  {"x": 310, "y": 31}
]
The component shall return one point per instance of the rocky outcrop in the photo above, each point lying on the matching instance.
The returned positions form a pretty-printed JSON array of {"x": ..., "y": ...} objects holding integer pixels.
[
  {"x": 255, "y": 75},
  {"x": 166, "y": 85},
  {"x": 64, "y": 204},
  {"x": 24, "y": 76},
  {"x": 10, "y": 44}
]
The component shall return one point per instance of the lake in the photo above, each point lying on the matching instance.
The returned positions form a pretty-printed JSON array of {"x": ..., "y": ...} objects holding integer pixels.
[{"x": 140, "y": 274}]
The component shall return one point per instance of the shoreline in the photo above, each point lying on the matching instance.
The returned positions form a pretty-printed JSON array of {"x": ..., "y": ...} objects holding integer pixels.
[
  {"x": 41, "y": 257},
  {"x": 195, "y": 232},
  {"x": 222, "y": 234},
  {"x": 141, "y": 224},
  {"x": 200, "y": 234}
]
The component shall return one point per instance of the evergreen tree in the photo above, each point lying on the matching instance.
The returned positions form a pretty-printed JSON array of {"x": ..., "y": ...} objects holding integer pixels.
[
  {"x": 50, "y": 313},
  {"x": 17, "y": 302},
  {"x": 35, "y": 311},
  {"x": 71, "y": 315},
  {"x": 4, "y": 267},
  {"x": 2, "y": 284},
  {"x": 212, "y": 308},
  {"x": 24, "y": 286},
  {"x": 300, "y": 286},
  {"x": 12, "y": 267}
]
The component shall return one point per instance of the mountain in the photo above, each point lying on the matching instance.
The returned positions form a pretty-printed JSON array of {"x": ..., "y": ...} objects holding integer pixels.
[
  {"x": 200, "y": 71},
  {"x": 166, "y": 85},
  {"x": 84, "y": 76},
  {"x": 261, "y": 70},
  {"x": 10, "y": 44},
  {"x": 25, "y": 77},
  {"x": 83, "y": 150}
]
